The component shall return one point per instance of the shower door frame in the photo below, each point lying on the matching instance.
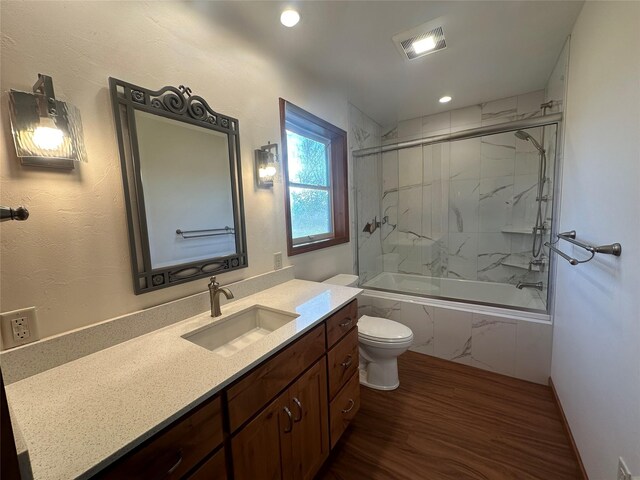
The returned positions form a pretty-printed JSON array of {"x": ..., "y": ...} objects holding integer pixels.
[{"x": 506, "y": 127}]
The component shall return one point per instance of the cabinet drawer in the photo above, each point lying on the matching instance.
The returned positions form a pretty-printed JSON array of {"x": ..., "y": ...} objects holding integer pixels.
[
  {"x": 341, "y": 322},
  {"x": 261, "y": 385},
  {"x": 344, "y": 407},
  {"x": 343, "y": 361},
  {"x": 176, "y": 450},
  {"x": 213, "y": 469}
]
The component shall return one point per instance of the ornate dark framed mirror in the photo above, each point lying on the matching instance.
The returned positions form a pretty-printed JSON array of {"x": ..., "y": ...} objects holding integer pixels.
[{"x": 182, "y": 182}]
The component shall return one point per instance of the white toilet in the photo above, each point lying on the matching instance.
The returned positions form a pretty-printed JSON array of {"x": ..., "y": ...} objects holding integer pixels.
[{"x": 381, "y": 341}]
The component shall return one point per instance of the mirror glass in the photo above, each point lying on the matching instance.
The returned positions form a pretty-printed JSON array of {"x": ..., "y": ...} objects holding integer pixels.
[
  {"x": 182, "y": 182},
  {"x": 187, "y": 190}
]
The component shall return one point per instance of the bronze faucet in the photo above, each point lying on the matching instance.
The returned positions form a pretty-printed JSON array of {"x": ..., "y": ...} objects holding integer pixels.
[{"x": 214, "y": 294}]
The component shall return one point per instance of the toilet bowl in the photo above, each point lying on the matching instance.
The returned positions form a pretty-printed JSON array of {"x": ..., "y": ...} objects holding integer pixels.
[{"x": 380, "y": 342}]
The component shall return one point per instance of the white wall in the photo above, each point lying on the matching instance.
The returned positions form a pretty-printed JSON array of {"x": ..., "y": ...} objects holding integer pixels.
[
  {"x": 71, "y": 258},
  {"x": 596, "y": 354}
]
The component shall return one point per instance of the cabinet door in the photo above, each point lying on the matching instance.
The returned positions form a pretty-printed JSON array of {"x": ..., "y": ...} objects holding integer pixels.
[
  {"x": 213, "y": 469},
  {"x": 308, "y": 403},
  {"x": 262, "y": 449}
]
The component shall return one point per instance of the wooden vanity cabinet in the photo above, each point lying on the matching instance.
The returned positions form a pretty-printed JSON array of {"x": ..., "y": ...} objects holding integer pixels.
[
  {"x": 278, "y": 422},
  {"x": 344, "y": 376},
  {"x": 173, "y": 452},
  {"x": 343, "y": 361},
  {"x": 310, "y": 433},
  {"x": 290, "y": 438},
  {"x": 341, "y": 322},
  {"x": 344, "y": 407},
  {"x": 257, "y": 388},
  {"x": 260, "y": 449},
  {"x": 215, "y": 468}
]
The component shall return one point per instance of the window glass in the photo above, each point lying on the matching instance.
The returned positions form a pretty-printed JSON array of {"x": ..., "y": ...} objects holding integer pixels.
[
  {"x": 310, "y": 213},
  {"x": 308, "y": 160}
]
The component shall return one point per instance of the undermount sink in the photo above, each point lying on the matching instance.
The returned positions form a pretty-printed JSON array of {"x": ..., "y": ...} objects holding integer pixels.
[{"x": 236, "y": 332}]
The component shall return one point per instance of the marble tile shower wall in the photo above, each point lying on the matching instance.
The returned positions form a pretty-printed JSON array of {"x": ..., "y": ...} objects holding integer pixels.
[
  {"x": 452, "y": 209},
  {"x": 365, "y": 188},
  {"x": 502, "y": 344}
]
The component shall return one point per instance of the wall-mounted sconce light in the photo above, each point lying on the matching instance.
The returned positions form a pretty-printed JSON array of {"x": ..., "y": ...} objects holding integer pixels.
[
  {"x": 46, "y": 131},
  {"x": 266, "y": 165}
]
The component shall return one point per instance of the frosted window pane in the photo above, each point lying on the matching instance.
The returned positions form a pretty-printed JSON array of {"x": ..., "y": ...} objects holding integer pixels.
[
  {"x": 307, "y": 160},
  {"x": 310, "y": 212}
]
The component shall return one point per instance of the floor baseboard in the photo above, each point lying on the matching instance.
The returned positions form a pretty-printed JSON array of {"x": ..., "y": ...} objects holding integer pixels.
[{"x": 574, "y": 447}]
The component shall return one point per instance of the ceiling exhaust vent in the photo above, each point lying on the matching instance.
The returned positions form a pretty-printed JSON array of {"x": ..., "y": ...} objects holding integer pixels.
[{"x": 415, "y": 45}]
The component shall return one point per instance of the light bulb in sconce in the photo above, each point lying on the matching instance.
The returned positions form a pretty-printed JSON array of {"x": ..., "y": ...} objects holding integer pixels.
[
  {"x": 266, "y": 165},
  {"x": 269, "y": 171},
  {"x": 48, "y": 138}
]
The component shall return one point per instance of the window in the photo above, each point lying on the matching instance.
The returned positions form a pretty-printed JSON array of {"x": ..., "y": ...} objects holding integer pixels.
[{"x": 315, "y": 173}]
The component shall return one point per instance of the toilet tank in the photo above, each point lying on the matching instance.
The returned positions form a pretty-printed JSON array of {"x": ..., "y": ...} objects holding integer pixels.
[{"x": 343, "y": 280}]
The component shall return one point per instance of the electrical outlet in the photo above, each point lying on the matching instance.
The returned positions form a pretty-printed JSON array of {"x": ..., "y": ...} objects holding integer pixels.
[
  {"x": 623, "y": 471},
  {"x": 18, "y": 327},
  {"x": 277, "y": 260}
]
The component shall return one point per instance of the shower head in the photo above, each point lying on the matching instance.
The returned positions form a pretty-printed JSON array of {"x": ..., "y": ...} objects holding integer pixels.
[{"x": 525, "y": 136}]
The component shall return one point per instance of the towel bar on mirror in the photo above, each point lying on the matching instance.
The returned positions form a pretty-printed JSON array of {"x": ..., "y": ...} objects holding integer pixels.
[
  {"x": 570, "y": 236},
  {"x": 201, "y": 233}
]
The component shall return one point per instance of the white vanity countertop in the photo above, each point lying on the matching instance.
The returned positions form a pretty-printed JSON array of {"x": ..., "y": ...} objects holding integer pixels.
[{"x": 81, "y": 416}]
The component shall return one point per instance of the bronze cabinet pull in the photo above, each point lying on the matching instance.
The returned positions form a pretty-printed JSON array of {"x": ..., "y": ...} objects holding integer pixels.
[
  {"x": 175, "y": 465},
  {"x": 299, "y": 405},
  {"x": 288, "y": 412},
  {"x": 350, "y": 407},
  {"x": 346, "y": 323},
  {"x": 347, "y": 361}
]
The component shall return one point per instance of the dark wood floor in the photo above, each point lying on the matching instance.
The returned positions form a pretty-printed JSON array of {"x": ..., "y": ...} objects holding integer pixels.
[{"x": 450, "y": 421}]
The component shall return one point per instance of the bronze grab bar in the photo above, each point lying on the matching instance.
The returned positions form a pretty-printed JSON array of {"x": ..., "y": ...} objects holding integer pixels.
[{"x": 570, "y": 236}]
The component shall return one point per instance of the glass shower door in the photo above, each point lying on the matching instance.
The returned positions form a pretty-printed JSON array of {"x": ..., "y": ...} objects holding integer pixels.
[{"x": 459, "y": 219}]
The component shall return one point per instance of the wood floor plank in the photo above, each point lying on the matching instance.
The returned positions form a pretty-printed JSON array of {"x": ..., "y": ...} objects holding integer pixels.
[{"x": 450, "y": 421}]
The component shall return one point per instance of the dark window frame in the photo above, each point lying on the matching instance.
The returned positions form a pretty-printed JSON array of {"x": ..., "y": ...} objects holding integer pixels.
[{"x": 301, "y": 120}]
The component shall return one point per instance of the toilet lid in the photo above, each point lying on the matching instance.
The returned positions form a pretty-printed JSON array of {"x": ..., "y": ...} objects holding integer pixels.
[{"x": 382, "y": 329}]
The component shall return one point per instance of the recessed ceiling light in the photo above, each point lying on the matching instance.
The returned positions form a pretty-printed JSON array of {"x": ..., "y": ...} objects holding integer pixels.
[
  {"x": 289, "y": 18},
  {"x": 445, "y": 99},
  {"x": 424, "y": 45}
]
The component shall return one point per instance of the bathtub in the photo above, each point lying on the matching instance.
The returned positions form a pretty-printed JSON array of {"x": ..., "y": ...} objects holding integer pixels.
[
  {"x": 512, "y": 340},
  {"x": 467, "y": 291}
]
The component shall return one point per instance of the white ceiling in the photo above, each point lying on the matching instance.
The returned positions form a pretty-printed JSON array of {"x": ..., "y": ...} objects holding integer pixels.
[{"x": 494, "y": 49}]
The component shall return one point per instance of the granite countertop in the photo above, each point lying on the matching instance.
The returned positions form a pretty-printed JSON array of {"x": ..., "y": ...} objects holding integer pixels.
[{"x": 81, "y": 416}]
